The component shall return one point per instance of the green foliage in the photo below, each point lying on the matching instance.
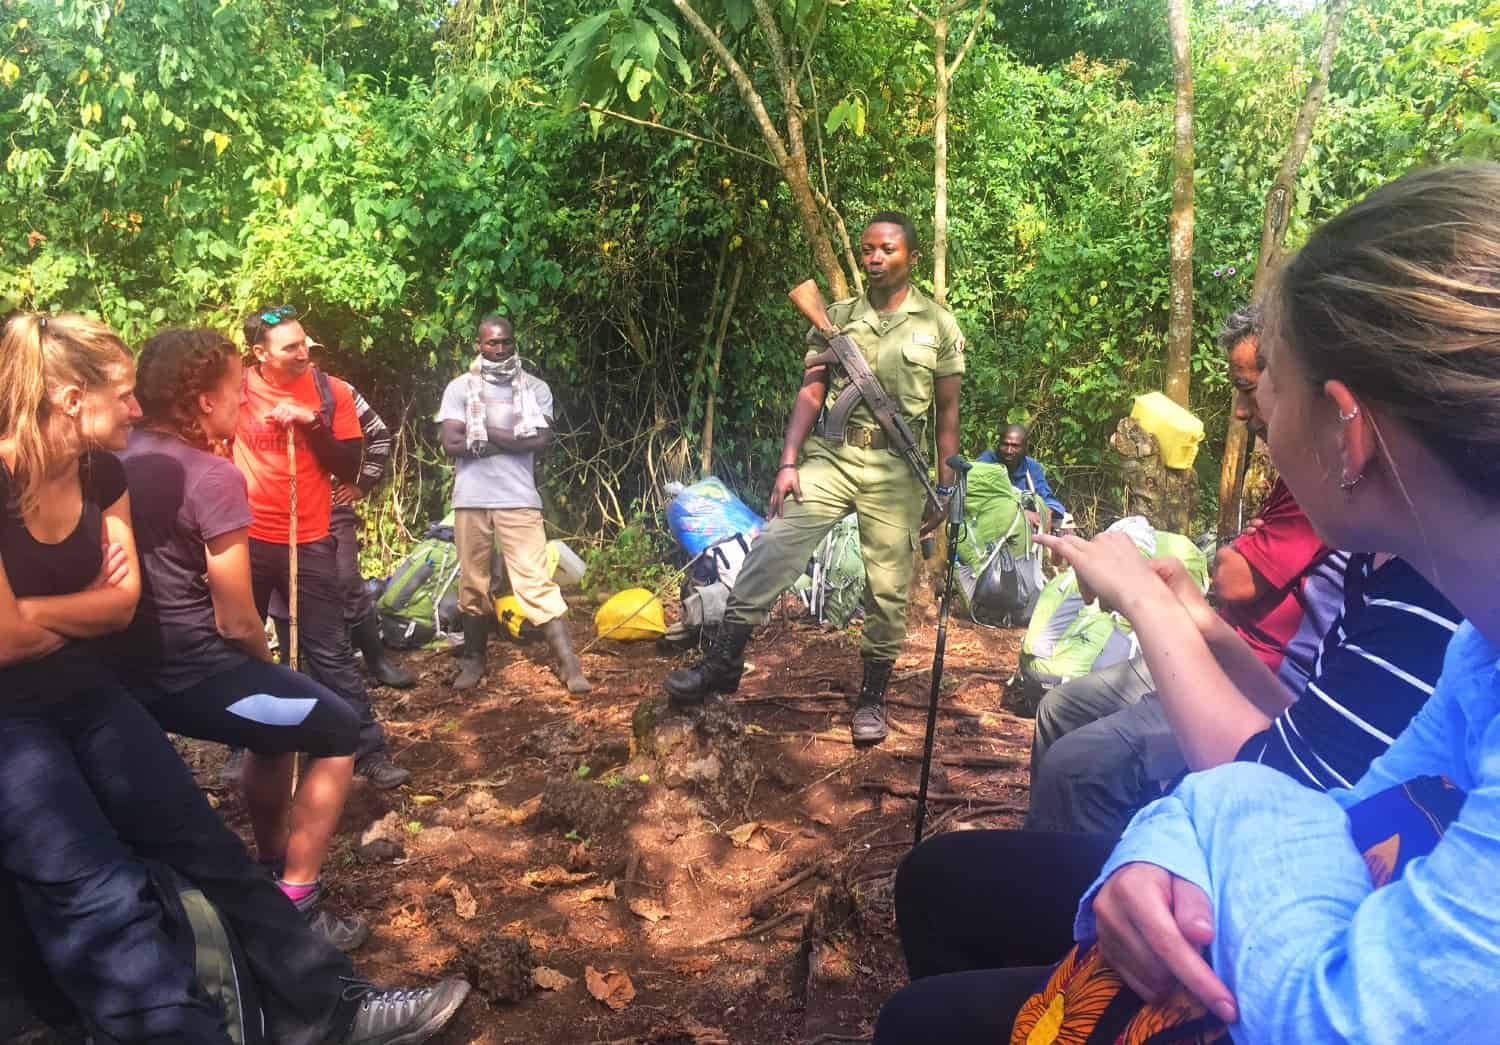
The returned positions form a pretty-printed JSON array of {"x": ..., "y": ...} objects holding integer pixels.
[
  {"x": 637, "y": 557},
  {"x": 399, "y": 169}
]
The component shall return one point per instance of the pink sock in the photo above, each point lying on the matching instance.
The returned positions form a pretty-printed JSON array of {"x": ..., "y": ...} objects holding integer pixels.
[{"x": 297, "y": 890}]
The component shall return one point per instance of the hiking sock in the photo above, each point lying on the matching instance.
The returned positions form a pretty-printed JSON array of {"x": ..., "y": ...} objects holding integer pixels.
[{"x": 306, "y": 895}]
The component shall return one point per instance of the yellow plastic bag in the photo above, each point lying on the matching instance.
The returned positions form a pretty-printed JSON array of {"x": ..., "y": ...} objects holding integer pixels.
[
  {"x": 631, "y": 615},
  {"x": 1176, "y": 430}
]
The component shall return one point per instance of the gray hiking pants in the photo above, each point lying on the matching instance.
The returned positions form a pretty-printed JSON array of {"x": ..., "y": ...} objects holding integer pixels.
[{"x": 1102, "y": 749}]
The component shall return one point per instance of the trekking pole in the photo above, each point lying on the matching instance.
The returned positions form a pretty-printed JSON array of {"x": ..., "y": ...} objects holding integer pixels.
[
  {"x": 960, "y": 468},
  {"x": 291, "y": 546}
]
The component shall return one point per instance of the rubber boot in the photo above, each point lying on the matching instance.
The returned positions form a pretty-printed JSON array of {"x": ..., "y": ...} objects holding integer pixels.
[
  {"x": 366, "y": 636},
  {"x": 568, "y": 668},
  {"x": 471, "y": 664},
  {"x": 868, "y": 724},
  {"x": 718, "y": 672}
]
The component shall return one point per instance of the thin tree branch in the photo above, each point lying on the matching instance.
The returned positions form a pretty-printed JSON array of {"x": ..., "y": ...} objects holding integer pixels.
[
  {"x": 741, "y": 79},
  {"x": 923, "y": 15},
  {"x": 673, "y": 130},
  {"x": 843, "y": 232},
  {"x": 968, "y": 40}
]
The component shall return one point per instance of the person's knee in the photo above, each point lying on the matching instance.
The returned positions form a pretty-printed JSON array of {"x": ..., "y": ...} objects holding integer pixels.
[
  {"x": 928, "y": 872},
  {"x": 339, "y": 732},
  {"x": 903, "y": 1018},
  {"x": 1054, "y": 717}
]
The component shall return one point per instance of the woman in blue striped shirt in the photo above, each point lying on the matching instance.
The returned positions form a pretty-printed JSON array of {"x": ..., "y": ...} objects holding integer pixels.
[{"x": 1382, "y": 396}]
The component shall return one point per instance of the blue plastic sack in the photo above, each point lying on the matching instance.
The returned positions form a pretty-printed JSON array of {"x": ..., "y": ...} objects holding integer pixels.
[{"x": 706, "y": 513}]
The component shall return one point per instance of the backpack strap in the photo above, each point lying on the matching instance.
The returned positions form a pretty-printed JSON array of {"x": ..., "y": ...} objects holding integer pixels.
[{"x": 325, "y": 397}]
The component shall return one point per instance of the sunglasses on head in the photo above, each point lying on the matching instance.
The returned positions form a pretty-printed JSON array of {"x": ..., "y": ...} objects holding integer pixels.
[{"x": 272, "y": 316}]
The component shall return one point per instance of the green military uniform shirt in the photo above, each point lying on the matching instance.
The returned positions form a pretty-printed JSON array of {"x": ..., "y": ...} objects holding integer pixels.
[{"x": 907, "y": 350}]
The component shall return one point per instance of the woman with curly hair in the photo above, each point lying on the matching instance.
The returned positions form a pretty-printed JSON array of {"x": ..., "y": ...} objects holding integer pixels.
[{"x": 196, "y": 653}]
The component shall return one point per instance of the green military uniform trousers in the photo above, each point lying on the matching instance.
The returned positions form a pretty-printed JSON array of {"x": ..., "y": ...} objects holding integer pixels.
[{"x": 837, "y": 479}]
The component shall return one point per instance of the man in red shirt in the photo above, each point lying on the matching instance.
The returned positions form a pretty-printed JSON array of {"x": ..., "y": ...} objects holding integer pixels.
[
  {"x": 1083, "y": 767},
  {"x": 280, "y": 400}
]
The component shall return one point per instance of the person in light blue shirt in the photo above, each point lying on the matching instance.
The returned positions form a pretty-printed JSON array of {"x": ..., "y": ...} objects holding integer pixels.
[
  {"x": 1382, "y": 393},
  {"x": 1026, "y": 474}
]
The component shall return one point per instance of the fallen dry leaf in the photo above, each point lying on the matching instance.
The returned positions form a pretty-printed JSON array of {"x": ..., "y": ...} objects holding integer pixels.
[
  {"x": 649, "y": 909},
  {"x": 599, "y": 892},
  {"x": 549, "y": 979},
  {"x": 522, "y": 812},
  {"x": 464, "y": 902},
  {"x": 424, "y": 800},
  {"x": 741, "y": 835},
  {"x": 553, "y": 875},
  {"x": 613, "y": 988}
]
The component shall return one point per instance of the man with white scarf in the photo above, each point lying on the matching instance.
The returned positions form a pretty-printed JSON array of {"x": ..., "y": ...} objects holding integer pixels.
[{"x": 495, "y": 418}]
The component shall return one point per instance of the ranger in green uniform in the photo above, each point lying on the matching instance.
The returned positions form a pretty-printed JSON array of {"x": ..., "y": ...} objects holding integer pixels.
[{"x": 915, "y": 349}]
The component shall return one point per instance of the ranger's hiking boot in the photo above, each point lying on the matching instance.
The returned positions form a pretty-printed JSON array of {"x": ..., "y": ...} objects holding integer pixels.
[
  {"x": 868, "y": 724},
  {"x": 718, "y": 672},
  {"x": 568, "y": 668},
  {"x": 381, "y": 772},
  {"x": 366, "y": 636},
  {"x": 344, "y": 933},
  {"x": 471, "y": 664},
  {"x": 403, "y": 1016}
]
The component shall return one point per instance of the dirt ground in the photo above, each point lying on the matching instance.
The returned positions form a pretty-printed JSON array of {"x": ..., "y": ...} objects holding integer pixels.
[{"x": 538, "y": 845}]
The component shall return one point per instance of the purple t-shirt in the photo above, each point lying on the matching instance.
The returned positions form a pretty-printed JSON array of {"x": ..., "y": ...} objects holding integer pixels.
[{"x": 180, "y": 499}]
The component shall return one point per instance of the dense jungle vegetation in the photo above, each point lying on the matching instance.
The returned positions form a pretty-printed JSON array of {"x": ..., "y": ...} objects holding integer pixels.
[{"x": 395, "y": 168}]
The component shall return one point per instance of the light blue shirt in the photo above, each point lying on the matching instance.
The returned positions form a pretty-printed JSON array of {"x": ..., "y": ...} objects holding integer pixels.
[{"x": 1312, "y": 952}]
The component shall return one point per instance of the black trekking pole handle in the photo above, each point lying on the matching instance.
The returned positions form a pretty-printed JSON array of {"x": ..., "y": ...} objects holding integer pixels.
[{"x": 960, "y": 468}]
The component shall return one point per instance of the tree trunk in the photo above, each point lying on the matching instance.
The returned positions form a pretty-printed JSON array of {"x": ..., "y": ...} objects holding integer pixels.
[
  {"x": 1278, "y": 209},
  {"x": 713, "y": 369},
  {"x": 790, "y": 154},
  {"x": 1180, "y": 234},
  {"x": 942, "y": 81},
  {"x": 940, "y": 159}
]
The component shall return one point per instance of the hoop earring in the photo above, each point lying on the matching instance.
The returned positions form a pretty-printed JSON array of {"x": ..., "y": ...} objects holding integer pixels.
[
  {"x": 1350, "y": 416},
  {"x": 1349, "y": 484}
]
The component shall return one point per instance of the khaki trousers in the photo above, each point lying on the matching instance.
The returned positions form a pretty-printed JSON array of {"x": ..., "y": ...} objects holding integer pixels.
[
  {"x": 837, "y": 479},
  {"x": 523, "y": 544}
]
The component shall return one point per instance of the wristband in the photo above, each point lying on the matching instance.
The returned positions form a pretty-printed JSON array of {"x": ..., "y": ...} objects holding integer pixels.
[
  {"x": 784, "y": 467},
  {"x": 944, "y": 491}
]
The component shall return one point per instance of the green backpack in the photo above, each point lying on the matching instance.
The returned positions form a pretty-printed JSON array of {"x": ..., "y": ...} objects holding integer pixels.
[
  {"x": 833, "y": 589},
  {"x": 410, "y": 605},
  {"x": 999, "y": 569}
]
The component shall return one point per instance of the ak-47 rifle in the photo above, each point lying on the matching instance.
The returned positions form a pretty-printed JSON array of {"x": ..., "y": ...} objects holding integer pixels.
[{"x": 865, "y": 387}]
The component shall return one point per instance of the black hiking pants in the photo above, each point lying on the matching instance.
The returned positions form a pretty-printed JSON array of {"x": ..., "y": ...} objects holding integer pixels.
[
  {"x": 88, "y": 783},
  {"x": 325, "y": 651},
  {"x": 983, "y": 915}
]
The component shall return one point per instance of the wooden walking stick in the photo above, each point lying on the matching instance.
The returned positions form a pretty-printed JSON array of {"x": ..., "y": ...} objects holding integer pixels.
[{"x": 291, "y": 546}]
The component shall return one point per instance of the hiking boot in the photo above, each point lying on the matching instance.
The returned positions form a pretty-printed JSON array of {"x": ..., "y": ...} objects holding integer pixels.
[
  {"x": 381, "y": 772},
  {"x": 471, "y": 664},
  {"x": 568, "y": 668},
  {"x": 718, "y": 672},
  {"x": 403, "y": 1016},
  {"x": 344, "y": 933},
  {"x": 367, "y": 639},
  {"x": 868, "y": 724}
]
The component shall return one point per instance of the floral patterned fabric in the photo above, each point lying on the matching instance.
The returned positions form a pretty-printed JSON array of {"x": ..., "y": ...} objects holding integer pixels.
[{"x": 1084, "y": 1002}]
